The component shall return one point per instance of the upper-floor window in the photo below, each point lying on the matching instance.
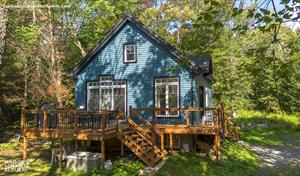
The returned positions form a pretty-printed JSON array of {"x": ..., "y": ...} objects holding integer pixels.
[{"x": 130, "y": 53}]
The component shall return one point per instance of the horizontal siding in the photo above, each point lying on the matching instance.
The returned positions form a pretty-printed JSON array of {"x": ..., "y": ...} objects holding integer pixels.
[{"x": 152, "y": 61}]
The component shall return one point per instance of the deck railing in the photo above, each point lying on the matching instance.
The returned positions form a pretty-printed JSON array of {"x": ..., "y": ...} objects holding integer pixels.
[
  {"x": 186, "y": 116},
  {"x": 68, "y": 119},
  {"x": 80, "y": 120}
]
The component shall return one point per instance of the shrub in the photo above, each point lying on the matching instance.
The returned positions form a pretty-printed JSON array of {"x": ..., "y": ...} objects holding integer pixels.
[{"x": 121, "y": 168}]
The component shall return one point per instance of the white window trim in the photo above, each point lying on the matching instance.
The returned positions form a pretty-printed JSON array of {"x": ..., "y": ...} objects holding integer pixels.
[
  {"x": 100, "y": 87},
  {"x": 89, "y": 87},
  {"x": 134, "y": 52},
  {"x": 167, "y": 95}
]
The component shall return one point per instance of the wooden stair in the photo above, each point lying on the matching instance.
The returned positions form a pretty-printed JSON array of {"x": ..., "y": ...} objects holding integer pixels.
[{"x": 139, "y": 141}]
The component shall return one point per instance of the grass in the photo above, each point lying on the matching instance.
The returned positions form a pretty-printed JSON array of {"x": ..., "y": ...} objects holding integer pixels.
[
  {"x": 236, "y": 160},
  {"x": 280, "y": 127},
  {"x": 39, "y": 156}
]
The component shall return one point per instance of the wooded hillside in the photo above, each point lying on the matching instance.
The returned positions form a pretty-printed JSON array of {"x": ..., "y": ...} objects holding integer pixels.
[{"x": 256, "y": 55}]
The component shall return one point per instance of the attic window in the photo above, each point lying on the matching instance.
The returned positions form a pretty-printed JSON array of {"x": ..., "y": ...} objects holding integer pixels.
[{"x": 129, "y": 53}]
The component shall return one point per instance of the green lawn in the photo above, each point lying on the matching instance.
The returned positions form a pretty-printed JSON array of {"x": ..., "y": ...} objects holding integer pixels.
[
  {"x": 236, "y": 160},
  {"x": 281, "y": 127}
]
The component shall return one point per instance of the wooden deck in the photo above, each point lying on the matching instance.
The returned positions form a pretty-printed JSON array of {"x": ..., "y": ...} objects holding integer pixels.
[{"x": 133, "y": 130}]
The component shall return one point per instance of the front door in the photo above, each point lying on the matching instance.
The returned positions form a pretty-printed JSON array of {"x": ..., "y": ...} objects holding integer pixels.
[
  {"x": 200, "y": 103},
  {"x": 201, "y": 97}
]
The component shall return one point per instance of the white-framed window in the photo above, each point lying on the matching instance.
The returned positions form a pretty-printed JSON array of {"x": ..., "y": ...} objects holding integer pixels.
[
  {"x": 129, "y": 53},
  {"x": 93, "y": 96},
  {"x": 167, "y": 96},
  {"x": 106, "y": 94}
]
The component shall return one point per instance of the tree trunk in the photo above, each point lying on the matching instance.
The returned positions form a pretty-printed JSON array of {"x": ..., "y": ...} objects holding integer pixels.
[
  {"x": 79, "y": 46},
  {"x": 2, "y": 32}
]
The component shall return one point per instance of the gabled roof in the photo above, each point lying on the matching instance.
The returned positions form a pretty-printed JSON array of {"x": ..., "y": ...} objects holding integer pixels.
[
  {"x": 115, "y": 30},
  {"x": 202, "y": 65}
]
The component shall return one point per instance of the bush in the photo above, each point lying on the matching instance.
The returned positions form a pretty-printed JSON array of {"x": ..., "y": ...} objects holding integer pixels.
[{"x": 121, "y": 168}]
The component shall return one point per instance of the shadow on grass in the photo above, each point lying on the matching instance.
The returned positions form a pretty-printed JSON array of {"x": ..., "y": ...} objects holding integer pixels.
[{"x": 236, "y": 160}]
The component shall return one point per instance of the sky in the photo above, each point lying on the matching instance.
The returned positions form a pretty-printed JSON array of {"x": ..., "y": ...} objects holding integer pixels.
[{"x": 291, "y": 24}]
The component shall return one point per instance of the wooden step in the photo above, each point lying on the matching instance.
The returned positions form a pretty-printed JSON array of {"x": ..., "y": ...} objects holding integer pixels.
[
  {"x": 129, "y": 132},
  {"x": 140, "y": 145}
]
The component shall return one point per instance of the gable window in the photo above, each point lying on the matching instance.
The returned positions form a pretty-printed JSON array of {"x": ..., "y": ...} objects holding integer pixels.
[
  {"x": 106, "y": 94},
  {"x": 167, "y": 96},
  {"x": 129, "y": 53}
]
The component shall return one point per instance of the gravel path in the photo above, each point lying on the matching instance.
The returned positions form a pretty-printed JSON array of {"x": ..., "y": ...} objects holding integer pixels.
[{"x": 278, "y": 158}]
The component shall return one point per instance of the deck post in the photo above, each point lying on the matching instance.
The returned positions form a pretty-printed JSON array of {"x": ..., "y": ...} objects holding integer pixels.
[
  {"x": 217, "y": 146},
  {"x": 162, "y": 145},
  {"x": 171, "y": 143},
  {"x": 45, "y": 122},
  {"x": 187, "y": 118},
  {"x": 22, "y": 119},
  {"x": 60, "y": 152},
  {"x": 103, "y": 126},
  {"x": 155, "y": 116},
  {"x": 25, "y": 147},
  {"x": 102, "y": 153},
  {"x": 117, "y": 120}
]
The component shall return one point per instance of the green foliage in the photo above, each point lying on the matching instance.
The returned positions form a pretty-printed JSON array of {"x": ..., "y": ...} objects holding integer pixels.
[
  {"x": 121, "y": 168},
  {"x": 236, "y": 160},
  {"x": 27, "y": 35},
  {"x": 255, "y": 56},
  {"x": 15, "y": 125},
  {"x": 9, "y": 145}
]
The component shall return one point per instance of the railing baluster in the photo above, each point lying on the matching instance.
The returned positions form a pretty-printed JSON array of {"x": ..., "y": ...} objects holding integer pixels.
[
  {"x": 35, "y": 120},
  {"x": 75, "y": 121}
]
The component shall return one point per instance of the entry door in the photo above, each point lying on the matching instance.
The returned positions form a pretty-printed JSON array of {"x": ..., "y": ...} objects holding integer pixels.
[
  {"x": 201, "y": 96},
  {"x": 201, "y": 103}
]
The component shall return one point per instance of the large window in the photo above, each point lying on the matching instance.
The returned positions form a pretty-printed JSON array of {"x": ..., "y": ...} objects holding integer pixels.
[
  {"x": 106, "y": 94},
  {"x": 129, "y": 53},
  {"x": 167, "y": 96},
  {"x": 93, "y": 96}
]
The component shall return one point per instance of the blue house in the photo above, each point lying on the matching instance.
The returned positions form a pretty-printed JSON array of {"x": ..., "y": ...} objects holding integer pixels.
[
  {"x": 133, "y": 87},
  {"x": 132, "y": 67}
]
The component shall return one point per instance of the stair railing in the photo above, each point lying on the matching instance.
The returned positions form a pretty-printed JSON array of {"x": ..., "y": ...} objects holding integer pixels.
[
  {"x": 155, "y": 134},
  {"x": 143, "y": 132}
]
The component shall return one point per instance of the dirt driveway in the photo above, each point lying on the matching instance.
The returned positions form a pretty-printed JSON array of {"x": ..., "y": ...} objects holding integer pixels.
[{"x": 283, "y": 159}]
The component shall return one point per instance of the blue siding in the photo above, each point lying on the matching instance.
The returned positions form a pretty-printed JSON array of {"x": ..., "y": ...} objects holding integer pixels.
[{"x": 152, "y": 61}]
